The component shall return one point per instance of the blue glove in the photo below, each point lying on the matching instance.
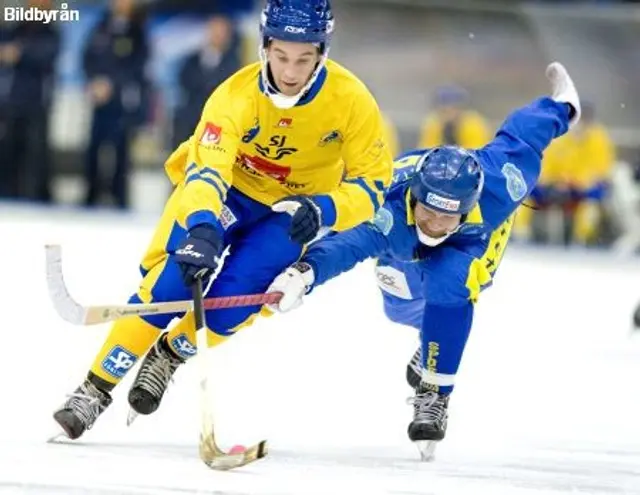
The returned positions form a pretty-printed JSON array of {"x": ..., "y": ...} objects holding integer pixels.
[
  {"x": 198, "y": 255},
  {"x": 306, "y": 217}
]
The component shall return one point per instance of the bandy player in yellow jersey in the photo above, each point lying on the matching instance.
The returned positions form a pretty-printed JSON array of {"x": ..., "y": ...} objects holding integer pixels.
[{"x": 285, "y": 147}]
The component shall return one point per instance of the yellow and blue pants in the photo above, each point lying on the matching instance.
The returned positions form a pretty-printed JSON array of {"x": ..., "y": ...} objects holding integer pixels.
[{"x": 259, "y": 249}]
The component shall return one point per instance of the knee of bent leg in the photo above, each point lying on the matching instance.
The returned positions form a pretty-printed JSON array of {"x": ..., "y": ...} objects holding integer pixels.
[
  {"x": 403, "y": 311},
  {"x": 226, "y": 322}
]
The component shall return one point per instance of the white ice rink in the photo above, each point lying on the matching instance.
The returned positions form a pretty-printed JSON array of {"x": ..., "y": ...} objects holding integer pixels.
[{"x": 547, "y": 399}]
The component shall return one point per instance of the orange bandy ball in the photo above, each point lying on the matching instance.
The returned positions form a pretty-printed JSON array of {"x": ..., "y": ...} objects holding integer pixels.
[{"x": 237, "y": 450}]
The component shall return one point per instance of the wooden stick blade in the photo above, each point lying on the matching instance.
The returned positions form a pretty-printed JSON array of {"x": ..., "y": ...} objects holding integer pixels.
[
  {"x": 64, "y": 304},
  {"x": 219, "y": 460}
]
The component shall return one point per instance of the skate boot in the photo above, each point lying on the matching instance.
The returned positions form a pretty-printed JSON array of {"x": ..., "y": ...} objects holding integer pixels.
[
  {"x": 429, "y": 423},
  {"x": 152, "y": 379},
  {"x": 414, "y": 370},
  {"x": 83, "y": 407}
]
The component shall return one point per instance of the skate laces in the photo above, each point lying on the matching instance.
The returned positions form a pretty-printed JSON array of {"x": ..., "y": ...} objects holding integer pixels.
[
  {"x": 157, "y": 372},
  {"x": 85, "y": 406},
  {"x": 428, "y": 406}
]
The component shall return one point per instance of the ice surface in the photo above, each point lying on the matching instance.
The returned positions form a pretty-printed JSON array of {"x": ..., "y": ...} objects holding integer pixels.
[{"x": 547, "y": 399}]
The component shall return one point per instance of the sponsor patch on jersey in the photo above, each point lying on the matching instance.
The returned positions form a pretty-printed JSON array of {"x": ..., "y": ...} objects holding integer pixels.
[
  {"x": 516, "y": 185},
  {"x": 257, "y": 165},
  {"x": 227, "y": 218},
  {"x": 331, "y": 137},
  {"x": 212, "y": 134},
  {"x": 393, "y": 281},
  {"x": 251, "y": 134},
  {"x": 285, "y": 122},
  {"x": 183, "y": 347},
  {"x": 383, "y": 221},
  {"x": 441, "y": 202},
  {"x": 118, "y": 361}
]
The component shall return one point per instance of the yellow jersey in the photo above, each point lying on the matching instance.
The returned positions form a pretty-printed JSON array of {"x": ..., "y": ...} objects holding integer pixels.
[
  {"x": 330, "y": 143},
  {"x": 579, "y": 160},
  {"x": 470, "y": 131}
]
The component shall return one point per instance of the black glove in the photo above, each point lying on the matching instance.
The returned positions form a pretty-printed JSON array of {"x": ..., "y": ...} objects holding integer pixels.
[
  {"x": 306, "y": 217},
  {"x": 198, "y": 254}
]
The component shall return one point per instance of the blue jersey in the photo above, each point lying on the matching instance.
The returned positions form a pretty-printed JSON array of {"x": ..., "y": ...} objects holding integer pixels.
[
  {"x": 434, "y": 288},
  {"x": 511, "y": 164}
]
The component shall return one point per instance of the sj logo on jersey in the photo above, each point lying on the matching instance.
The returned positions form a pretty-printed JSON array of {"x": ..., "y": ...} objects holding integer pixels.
[{"x": 276, "y": 149}]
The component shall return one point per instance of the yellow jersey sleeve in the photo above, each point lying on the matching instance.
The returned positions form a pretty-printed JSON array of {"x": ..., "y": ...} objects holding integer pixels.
[
  {"x": 209, "y": 156},
  {"x": 368, "y": 166}
]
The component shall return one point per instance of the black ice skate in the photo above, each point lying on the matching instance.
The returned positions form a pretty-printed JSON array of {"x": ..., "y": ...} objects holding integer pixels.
[
  {"x": 429, "y": 423},
  {"x": 152, "y": 379},
  {"x": 414, "y": 369},
  {"x": 81, "y": 410}
]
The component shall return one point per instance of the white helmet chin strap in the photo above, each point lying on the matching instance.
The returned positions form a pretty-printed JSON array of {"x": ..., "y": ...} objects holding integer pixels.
[
  {"x": 279, "y": 100},
  {"x": 433, "y": 241}
]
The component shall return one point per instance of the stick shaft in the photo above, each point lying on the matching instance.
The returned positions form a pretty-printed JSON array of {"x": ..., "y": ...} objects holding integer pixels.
[{"x": 70, "y": 310}]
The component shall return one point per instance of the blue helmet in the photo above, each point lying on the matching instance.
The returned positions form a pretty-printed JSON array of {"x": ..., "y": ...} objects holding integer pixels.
[
  {"x": 303, "y": 21},
  {"x": 448, "y": 179}
]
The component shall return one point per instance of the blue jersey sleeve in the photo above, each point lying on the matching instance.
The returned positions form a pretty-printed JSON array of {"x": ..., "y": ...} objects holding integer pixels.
[
  {"x": 340, "y": 252},
  {"x": 512, "y": 161}
]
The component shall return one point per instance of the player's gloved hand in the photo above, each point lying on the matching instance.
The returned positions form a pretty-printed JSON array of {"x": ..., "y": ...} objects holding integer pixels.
[
  {"x": 306, "y": 217},
  {"x": 293, "y": 283},
  {"x": 564, "y": 90},
  {"x": 198, "y": 255}
]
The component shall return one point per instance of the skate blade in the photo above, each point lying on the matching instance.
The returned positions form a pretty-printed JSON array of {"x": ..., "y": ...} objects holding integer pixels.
[
  {"x": 131, "y": 417},
  {"x": 427, "y": 449},
  {"x": 59, "y": 437}
]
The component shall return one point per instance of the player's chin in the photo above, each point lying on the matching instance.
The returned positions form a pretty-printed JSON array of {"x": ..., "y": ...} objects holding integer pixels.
[
  {"x": 434, "y": 234},
  {"x": 289, "y": 90}
]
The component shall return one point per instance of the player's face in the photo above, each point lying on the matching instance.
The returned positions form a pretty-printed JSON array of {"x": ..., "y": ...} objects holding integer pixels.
[
  {"x": 291, "y": 64},
  {"x": 434, "y": 223}
]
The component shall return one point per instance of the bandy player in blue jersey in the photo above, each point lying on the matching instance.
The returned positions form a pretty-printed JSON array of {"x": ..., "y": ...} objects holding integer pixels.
[{"x": 438, "y": 240}]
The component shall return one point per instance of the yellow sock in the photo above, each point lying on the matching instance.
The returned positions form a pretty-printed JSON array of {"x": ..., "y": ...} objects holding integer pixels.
[
  {"x": 130, "y": 338},
  {"x": 182, "y": 337}
]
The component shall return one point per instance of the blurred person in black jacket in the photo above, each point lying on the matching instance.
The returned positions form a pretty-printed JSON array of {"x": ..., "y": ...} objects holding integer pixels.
[
  {"x": 28, "y": 52},
  {"x": 202, "y": 72},
  {"x": 114, "y": 64}
]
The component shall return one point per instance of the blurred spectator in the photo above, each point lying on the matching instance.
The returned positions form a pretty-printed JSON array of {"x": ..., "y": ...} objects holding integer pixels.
[
  {"x": 114, "y": 64},
  {"x": 452, "y": 122},
  {"x": 203, "y": 72},
  {"x": 576, "y": 177},
  {"x": 206, "y": 7},
  {"x": 28, "y": 52},
  {"x": 390, "y": 135}
]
